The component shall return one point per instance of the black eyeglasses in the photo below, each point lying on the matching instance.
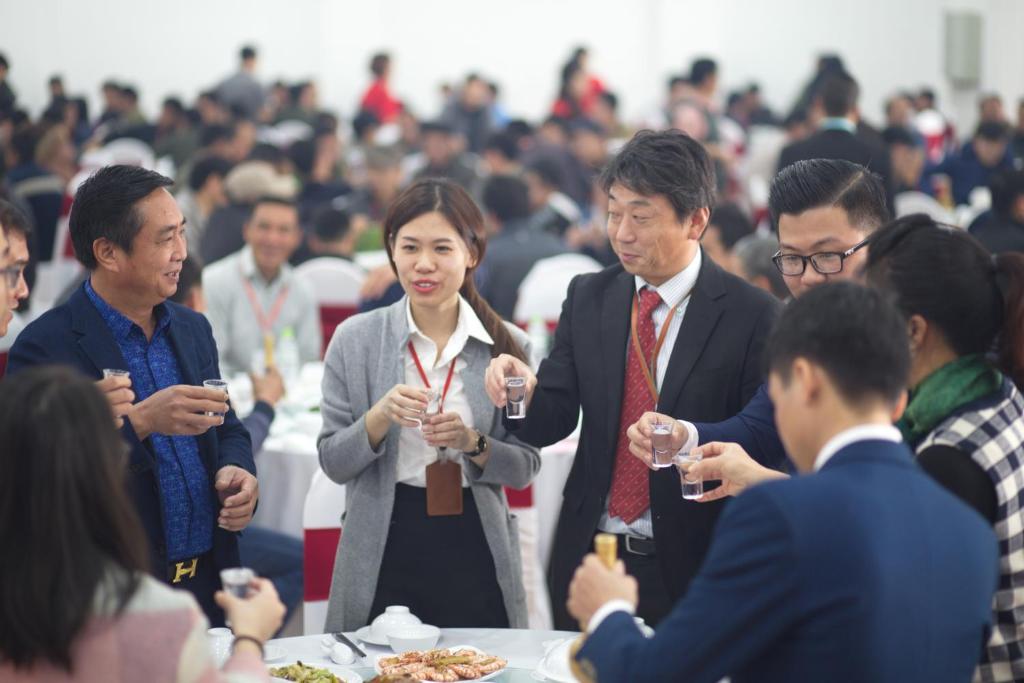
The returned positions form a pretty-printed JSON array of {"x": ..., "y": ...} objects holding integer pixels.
[{"x": 824, "y": 262}]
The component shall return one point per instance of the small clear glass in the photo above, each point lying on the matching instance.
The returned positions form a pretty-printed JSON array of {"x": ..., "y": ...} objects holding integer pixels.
[
  {"x": 692, "y": 486},
  {"x": 220, "y": 639},
  {"x": 661, "y": 444},
  {"x": 515, "y": 390},
  {"x": 112, "y": 372},
  {"x": 219, "y": 385},
  {"x": 236, "y": 580}
]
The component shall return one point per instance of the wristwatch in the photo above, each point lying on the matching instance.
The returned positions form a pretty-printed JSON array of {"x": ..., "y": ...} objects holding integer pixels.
[{"x": 481, "y": 445}]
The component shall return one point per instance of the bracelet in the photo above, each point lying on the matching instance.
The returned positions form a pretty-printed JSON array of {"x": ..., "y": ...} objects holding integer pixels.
[{"x": 252, "y": 639}]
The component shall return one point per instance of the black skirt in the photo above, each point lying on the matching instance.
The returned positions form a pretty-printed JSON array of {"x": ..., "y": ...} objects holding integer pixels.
[{"x": 441, "y": 568}]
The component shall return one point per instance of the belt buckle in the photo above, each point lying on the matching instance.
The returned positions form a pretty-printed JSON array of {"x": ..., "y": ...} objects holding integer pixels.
[
  {"x": 629, "y": 546},
  {"x": 185, "y": 569}
]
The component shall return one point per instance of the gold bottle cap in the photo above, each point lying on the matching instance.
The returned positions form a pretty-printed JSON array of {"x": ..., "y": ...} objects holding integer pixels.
[{"x": 606, "y": 547}]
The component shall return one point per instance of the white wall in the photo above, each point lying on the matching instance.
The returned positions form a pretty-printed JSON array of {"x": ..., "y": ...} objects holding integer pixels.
[{"x": 184, "y": 46}]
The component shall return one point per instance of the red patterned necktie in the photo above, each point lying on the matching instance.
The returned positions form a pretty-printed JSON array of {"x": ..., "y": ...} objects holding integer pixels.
[{"x": 631, "y": 491}]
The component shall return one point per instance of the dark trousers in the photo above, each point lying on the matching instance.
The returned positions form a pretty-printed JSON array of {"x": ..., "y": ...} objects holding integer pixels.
[
  {"x": 441, "y": 568},
  {"x": 277, "y": 557},
  {"x": 655, "y": 603},
  {"x": 202, "y": 583}
]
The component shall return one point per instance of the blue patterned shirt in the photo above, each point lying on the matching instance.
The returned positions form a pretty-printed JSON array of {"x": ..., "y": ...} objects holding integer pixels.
[{"x": 185, "y": 493}]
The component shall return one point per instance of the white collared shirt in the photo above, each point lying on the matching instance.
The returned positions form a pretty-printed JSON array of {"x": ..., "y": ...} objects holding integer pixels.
[
  {"x": 236, "y": 326},
  {"x": 674, "y": 293},
  {"x": 413, "y": 452},
  {"x": 866, "y": 432}
]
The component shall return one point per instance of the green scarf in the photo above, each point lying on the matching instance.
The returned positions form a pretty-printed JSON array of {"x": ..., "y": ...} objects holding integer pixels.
[{"x": 953, "y": 385}]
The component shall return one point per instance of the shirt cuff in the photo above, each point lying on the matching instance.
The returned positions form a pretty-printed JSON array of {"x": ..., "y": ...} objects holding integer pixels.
[
  {"x": 606, "y": 610},
  {"x": 692, "y": 438}
]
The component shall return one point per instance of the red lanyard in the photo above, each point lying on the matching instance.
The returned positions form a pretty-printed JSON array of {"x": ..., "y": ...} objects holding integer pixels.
[
  {"x": 266, "y": 322},
  {"x": 651, "y": 370},
  {"x": 423, "y": 375}
]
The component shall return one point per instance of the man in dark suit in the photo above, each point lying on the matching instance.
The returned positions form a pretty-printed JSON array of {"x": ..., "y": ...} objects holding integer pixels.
[
  {"x": 838, "y": 136},
  {"x": 824, "y": 210},
  {"x": 606, "y": 360},
  {"x": 191, "y": 470},
  {"x": 865, "y": 570}
]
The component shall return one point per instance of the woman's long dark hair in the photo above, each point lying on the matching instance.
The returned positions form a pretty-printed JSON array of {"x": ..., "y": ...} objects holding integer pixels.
[
  {"x": 65, "y": 518},
  {"x": 459, "y": 209},
  {"x": 947, "y": 277}
]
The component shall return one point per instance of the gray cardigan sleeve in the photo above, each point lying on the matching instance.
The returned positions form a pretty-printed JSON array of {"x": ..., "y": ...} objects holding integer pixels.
[{"x": 343, "y": 446}]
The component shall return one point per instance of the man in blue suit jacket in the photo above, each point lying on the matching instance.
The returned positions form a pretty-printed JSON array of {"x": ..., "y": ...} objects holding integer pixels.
[
  {"x": 191, "y": 471},
  {"x": 824, "y": 210},
  {"x": 866, "y": 570}
]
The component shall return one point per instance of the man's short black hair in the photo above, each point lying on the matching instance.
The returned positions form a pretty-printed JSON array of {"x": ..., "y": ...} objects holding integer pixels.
[
  {"x": 1006, "y": 187},
  {"x": 247, "y": 52},
  {"x": 437, "y": 126},
  {"x": 668, "y": 163},
  {"x": 14, "y": 220},
  {"x": 898, "y": 136},
  {"x": 815, "y": 183},
  {"x": 855, "y": 334},
  {"x": 191, "y": 276},
  {"x": 130, "y": 92},
  {"x": 175, "y": 105},
  {"x": 215, "y": 133},
  {"x": 205, "y": 168},
  {"x": 104, "y": 207},
  {"x": 733, "y": 225},
  {"x": 548, "y": 171},
  {"x": 302, "y": 154},
  {"x": 504, "y": 143},
  {"x": 379, "y": 63},
  {"x": 363, "y": 122},
  {"x": 331, "y": 224},
  {"x": 993, "y": 131},
  {"x": 838, "y": 94},
  {"x": 702, "y": 69},
  {"x": 610, "y": 99},
  {"x": 507, "y": 197}
]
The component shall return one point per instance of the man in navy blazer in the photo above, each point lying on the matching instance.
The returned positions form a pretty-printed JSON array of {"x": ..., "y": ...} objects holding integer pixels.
[
  {"x": 863, "y": 570},
  {"x": 823, "y": 210},
  {"x": 191, "y": 471}
]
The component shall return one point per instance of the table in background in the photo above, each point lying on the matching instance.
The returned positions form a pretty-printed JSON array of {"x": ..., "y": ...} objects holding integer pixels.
[{"x": 523, "y": 649}]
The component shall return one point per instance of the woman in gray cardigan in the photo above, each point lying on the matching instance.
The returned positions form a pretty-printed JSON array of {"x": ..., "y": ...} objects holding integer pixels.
[{"x": 408, "y": 428}]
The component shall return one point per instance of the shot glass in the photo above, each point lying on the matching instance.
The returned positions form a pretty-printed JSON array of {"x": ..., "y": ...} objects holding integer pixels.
[
  {"x": 220, "y": 385},
  {"x": 661, "y": 444},
  {"x": 693, "y": 487},
  {"x": 112, "y": 372},
  {"x": 236, "y": 580},
  {"x": 515, "y": 389},
  {"x": 220, "y": 639},
  {"x": 433, "y": 408}
]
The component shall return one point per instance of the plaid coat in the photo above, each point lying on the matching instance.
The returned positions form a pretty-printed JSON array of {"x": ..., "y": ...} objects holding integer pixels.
[{"x": 992, "y": 432}]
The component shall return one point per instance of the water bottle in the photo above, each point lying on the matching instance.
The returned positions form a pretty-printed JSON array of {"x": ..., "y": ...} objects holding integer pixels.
[
  {"x": 537, "y": 331},
  {"x": 287, "y": 356}
]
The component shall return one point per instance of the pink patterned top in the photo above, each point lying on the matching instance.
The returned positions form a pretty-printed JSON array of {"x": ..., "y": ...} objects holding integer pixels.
[{"x": 159, "y": 638}]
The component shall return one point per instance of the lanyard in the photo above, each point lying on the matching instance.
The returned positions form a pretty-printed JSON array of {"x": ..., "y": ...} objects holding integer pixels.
[
  {"x": 266, "y": 322},
  {"x": 423, "y": 375},
  {"x": 651, "y": 370}
]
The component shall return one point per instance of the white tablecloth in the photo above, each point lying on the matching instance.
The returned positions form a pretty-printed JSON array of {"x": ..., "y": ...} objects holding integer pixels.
[
  {"x": 288, "y": 461},
  {"x": 523, "y": 649}
]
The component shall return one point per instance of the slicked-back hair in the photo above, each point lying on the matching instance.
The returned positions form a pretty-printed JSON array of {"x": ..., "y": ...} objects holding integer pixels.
[
  {"x": 816, "y": 183},
  {"x": 668, "y": 163},
  {"x": 855, "y": 334},
  {"x": 105, "y": 207},
  {"x": 839, "y": 93}
]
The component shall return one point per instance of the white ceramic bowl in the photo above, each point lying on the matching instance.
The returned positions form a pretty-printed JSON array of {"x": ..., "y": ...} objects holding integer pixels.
[
  {"x": 413, "y": 637},
  {"x": 395, "y": 615}
]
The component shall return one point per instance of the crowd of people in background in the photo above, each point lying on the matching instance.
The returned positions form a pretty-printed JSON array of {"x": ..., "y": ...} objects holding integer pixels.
[{"x": 244, "y": 139}]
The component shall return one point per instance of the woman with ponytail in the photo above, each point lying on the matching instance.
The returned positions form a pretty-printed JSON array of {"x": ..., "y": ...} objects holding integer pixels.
[
  {"x": 427, "y": 523},
  {"x": 965, "y": 419}
]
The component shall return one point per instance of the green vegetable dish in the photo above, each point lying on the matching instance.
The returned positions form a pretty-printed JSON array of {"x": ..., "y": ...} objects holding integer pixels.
[{"x": 304, "y": 673}]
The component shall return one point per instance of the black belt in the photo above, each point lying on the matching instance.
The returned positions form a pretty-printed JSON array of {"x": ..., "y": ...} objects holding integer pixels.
[{"x": 636, "y": 545}]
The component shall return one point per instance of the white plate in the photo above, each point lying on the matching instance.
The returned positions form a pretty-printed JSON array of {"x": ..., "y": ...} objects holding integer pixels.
[
  {"x": 347, "y": 675},
  {"x": 272, "y": 653},
  {"x": 364, "y": 635},
  {"x": 494, "y": 674}
]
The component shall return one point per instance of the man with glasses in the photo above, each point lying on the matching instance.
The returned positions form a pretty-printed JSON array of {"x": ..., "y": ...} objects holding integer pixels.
[
  {"x": 7, "y": 274},
  {"x": 17, "y": 230},
  {"x": 824, "y": 211}
]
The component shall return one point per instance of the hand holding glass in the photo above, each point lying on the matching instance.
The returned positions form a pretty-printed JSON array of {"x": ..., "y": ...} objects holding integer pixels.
[{"x": 236, "y": 580}]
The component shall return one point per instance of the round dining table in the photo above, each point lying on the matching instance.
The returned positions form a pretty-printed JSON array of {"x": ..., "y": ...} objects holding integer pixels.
[{"x": 524, "y": 650}]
